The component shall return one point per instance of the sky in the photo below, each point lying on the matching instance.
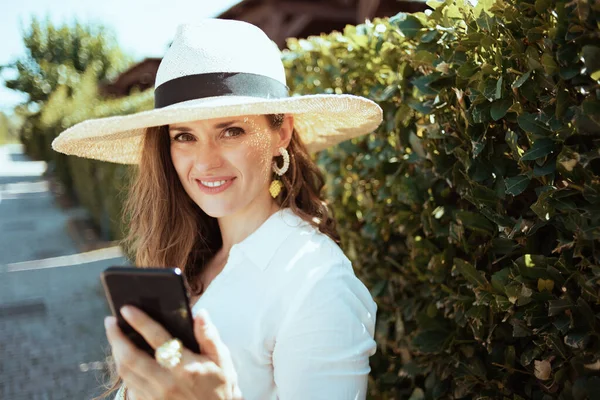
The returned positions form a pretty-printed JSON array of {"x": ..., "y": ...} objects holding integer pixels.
[{"x": 143, "y": 28}]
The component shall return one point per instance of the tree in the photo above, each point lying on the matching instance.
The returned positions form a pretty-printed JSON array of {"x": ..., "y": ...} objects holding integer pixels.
[
  {"x": 4, "y": 129},
  {"x": 58, "y": 56}
]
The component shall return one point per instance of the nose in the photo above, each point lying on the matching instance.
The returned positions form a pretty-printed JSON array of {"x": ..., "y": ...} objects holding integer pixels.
[{"x": 207, "y": 157}]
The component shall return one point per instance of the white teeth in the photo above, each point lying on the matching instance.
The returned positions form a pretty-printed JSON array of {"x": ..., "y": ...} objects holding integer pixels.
[{"x": 213, "y": 184}]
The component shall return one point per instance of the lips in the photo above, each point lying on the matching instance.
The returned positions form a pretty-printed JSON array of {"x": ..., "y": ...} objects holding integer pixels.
[{"x": 215, "y": 185}]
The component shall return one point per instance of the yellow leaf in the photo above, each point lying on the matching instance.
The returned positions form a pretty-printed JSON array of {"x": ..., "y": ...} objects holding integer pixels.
[
  {"x": 569, "y": 164},
  {"x": 529, "y": 261},
  {"x": 545, "y": 284},
  {"x": 542, "y": 369}
]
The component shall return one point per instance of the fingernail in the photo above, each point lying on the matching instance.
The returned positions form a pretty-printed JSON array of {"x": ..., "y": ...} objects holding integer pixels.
[
  {"x": 109, "y": 321},
  {"x": 126, "y": 312},
  {"x": 203, "y": 314}
]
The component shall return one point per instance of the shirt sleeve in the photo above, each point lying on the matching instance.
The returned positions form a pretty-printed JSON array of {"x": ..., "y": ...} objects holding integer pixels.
[{"x": 323, "y": 347}]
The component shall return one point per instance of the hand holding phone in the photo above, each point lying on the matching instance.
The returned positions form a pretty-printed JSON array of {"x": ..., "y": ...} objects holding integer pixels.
[{"x": 160, "y": 293}]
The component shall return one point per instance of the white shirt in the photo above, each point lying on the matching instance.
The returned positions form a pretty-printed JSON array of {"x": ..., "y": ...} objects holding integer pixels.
[{"x": 298, "y": 323}]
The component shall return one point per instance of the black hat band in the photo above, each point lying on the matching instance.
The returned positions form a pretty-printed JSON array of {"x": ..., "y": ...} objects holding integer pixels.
[{"x": 192, "y": 87}]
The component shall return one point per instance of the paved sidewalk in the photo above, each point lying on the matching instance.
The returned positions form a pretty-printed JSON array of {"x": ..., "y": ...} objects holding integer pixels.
[{"x": 52, "y": 342}]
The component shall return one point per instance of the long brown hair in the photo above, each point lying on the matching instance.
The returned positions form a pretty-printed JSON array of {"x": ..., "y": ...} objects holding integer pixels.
[{"x": 166, "y": 228}]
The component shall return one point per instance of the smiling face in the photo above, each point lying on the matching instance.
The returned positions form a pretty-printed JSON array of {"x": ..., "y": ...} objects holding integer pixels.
[{"x": 224, "y": 164}]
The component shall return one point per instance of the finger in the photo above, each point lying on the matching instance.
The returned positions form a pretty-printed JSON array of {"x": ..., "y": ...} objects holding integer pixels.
[
  {"x": 132, "y": 361},
  {"x": 147, "y": 377},
  {"x": 209, "y": 339},
  {"x": 213, "y": 347},
  {"x": 150, "y": 330},
  {"x": 136, "y": 385}
]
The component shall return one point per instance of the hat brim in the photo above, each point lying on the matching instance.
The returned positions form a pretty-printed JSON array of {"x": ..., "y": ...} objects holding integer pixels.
[{"x": 320, "y": 120}]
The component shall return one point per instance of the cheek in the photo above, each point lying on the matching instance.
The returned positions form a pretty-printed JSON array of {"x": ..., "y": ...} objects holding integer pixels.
[
  {"x": 258, "y": 156},
  {"x": 180, "y": 163}
]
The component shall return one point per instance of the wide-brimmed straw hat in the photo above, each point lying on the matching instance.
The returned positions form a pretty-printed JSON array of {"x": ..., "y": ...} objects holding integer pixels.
[{"x": 221, "y": 68}]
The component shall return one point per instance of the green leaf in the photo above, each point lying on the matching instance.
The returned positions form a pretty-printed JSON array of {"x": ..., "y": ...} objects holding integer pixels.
[
  {"x": 587, "y": 312},
  {"x": 542, "y": 6},
  {"x": 472, "y": 275},
  {"x": 562, "y": 102},
  {"x": 499, "y": 108},
  {"x": 431, "y": 341},
  {"x": 423, "y": 83},
  {"x": 474, "y": 221},
  {"x": 591, "y": 108},
  {"x": 529, "y": 355},
  {"x": 556, "y": 307},
  {"x": 519, "y": 328},
  {"x": 409, "y": 25},
  {"x": 512, "y": 140},
  {"x": 500, "y": 279},
  {"x": 498, "y": 94},
  {"x": 489, "y": 89},
  {"x": 546, "y": 169},
  {"x": 467, "y": 70},
  {"x": 577, "y": 340},
  {"x": 530, "y": 123},
  {"x": 533, "y": 57},
  {"x": 521, "y": 80},
  {"x": 478, "y": 147},
  {"x": 480, "y": 113},
  {"x": 517, "y": 184},
  {"x": 569, "y": 71},
  {"x": 502, "y": 303},
  {"x": 562, "y": 323},
  {"x": 419, "y": 106},
  {"x": 541, "y": 148},
  {"x": 417, "y": 394},
  {"x": 378, "y": 288},
  {"x": 542, "y": 207},
  {"x": 591, "y": 58},
  {"x": 591, "y": 192},
  {"x": 558, "y": 346},
  {"x": 504, "y": 246},
  {"x": 424, "y": 57},
  {"x": 429, "y": 36},
  {"x": 549, "y": 64}
]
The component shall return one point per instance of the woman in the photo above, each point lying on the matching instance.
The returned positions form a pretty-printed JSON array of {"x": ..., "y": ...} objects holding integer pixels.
[{"x": 227, "y": 191}]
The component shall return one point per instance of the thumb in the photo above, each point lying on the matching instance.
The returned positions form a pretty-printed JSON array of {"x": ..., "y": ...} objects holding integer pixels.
[
  {"x": 208, "y": 337},
  {"x": 212, "y": 347}
]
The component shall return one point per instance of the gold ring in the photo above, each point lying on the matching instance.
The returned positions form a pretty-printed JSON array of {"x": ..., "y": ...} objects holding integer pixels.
[{"x": 169, "y": 353}]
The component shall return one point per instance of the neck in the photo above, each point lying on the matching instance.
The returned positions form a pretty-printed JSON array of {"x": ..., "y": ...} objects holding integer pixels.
[{"x": 237, "y": 227}]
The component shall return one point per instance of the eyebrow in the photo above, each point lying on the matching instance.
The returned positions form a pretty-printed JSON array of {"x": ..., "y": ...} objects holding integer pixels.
[{"x": 217, "y": 126}]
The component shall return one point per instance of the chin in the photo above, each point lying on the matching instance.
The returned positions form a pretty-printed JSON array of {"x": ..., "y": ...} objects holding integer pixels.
[{"x": 218, "y": 210}]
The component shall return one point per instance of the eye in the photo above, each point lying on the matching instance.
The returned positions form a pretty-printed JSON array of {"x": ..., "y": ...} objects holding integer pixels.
[
  {"x": 183, "y": 137},
  {"x": 233, "y": 132}
]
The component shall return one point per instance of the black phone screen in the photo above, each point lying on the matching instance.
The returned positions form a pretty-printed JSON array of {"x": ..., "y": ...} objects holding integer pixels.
[{"x": 160, "y": 293}]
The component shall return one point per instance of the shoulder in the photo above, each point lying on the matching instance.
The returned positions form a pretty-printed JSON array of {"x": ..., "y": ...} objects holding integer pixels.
[
  {"x": 302, "y": 246},
  {"x": 312, "y": 269}
]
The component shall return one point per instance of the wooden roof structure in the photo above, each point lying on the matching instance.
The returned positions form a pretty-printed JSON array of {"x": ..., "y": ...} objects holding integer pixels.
[
  {"x": 140, "y": 76},
  {"x": 280, "y": 19}
]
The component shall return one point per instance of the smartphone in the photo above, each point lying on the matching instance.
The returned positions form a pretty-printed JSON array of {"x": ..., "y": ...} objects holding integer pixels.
[{"x": 159, "y": 292}]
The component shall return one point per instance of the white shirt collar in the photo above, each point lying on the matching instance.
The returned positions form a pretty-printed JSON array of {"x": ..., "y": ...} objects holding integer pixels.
[{"x": 260, "y": 246}]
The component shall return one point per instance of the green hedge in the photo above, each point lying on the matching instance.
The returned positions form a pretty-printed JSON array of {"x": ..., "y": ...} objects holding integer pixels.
[
  {"x": 99, "y": 186},
  {"x": 473, "y": 212}
]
